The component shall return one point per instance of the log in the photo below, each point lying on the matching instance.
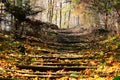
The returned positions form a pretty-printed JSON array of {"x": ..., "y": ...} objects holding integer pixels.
[
  {"x": 42, "y": 76},
  {"x": 63, "y": 58},
  {"x": 59, "y": 76},
  {"x": 53, "y": 61},
  {"x": 59, "y": 64},
  {"x": 67, "y": 48},
  {"x": 52, "y": 73},
  {"x": 55, "y": 68}
]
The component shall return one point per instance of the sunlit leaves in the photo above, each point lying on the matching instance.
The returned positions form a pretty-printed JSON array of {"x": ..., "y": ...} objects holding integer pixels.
[
  {"x": 105, "y": 6},
  {"x": 117, "y": 56},
  {"x": 0, "y": 45},
  {"x": 6, "y": 36},
  {"x": 112, "y": 38},
  {"x": 1, "y": 4},
  {"x": 116, "y": 2},
  {"x": 38, "y": 48},
  {"x": 36, "y": 78},
  {"x": 64, "y": 78},
  {"x": 75, "y": 1},
  {"x": 74, "y": 75},
  {"x": 33, "y": 59}
]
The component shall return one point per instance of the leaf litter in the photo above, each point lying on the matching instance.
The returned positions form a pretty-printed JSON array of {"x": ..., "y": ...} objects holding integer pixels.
[{"x": 106, "y": 60}]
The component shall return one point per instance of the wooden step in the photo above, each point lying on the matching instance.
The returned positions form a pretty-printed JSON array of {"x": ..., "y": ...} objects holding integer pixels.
[
  {"x": 67, "y": 48},
  {"x": 55, "y": 68},
  {"x": 52, "y": 73},
  {"x": 63, "y": 58},
  {"x": 59, "y": 64}
]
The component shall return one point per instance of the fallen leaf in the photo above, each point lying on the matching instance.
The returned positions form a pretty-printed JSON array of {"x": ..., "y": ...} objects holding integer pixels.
[{"x": 36, "y": 78}]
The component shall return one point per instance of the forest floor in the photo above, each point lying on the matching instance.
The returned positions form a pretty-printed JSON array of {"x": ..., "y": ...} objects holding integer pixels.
[{"x": 24, "y": 60}]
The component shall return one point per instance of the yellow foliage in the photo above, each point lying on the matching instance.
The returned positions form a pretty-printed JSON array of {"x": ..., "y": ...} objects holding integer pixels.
[
  {"x": 1, "y": 4},
  {"x": 36, "y": 78},
  {"x": 64, "y": 78},
  {"x": 110, "y": 59},
  {"x": 6, "y": 36},
  {"x": 0, "y": 44},
  {"x": 38, "y": 48},
  {"x": 87, "y": 17}
]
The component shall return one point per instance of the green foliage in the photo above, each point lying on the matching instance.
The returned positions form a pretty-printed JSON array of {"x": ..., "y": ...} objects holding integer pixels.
[
  {"x": 6, "y": 44},
  {"x": 5, "y": 40},
  {"x": 112, "y": 38},
  {"x": 19, "y": 11},
  {"x": 1, "y": 4},
  {"x": 116, "y": 1},
  {"x": 118, "y": 44},
  {"x": 74, "y": 75},
  {"x": 117, "y": 56},
  {"x": 15, "y": 44},
  {"x": 33, "y": 59},
  {"x": 19, "y": 2},
  {"x": 75, "y": 1},
  {"x": 104, "y": 6},
  {"x": 117, "y": 78},
  {"x": 103, "y": 61}
]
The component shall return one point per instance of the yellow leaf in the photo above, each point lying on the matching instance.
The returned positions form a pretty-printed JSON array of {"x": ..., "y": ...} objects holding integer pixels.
[
  {"x": 100, "y": 78},
  {"x": 108, "y": 69},
  {"x": 6, "y": 36},
  {"x": 110, "y": 59},
  {"x": 1, "y": 4},
  {"x": 38, "y": 48},
  {"x": 93, "y": 62},
  {"x": 114, "y": 47},
  {"x": 96, "y": 77},
  {"x": 64, "y": 78},
  {"x": 90, "y": 78},
  {"x": 36, "y": 78},
  {"x": 116, "y": 64},
  {"x": 17, "y": 42},
  {"x": 72, "y": 79},
  {"x": 0, "y": 44},
  {"x": 14, "y": 67}
]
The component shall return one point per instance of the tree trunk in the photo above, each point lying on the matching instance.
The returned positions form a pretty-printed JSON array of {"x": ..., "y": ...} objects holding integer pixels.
[
  {"x": 56, "y": 17},
  {"x": 69, "y": 18},
  {"x": 64, "y": 18},
  {"x": 60, "y": 14},
  {"x": 50, "y": 10}
]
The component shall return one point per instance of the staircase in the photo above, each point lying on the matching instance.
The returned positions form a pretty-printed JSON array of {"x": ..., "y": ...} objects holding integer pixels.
[
  {"x": 67, "y": 40},
  {"x": 55, "y": 65}
]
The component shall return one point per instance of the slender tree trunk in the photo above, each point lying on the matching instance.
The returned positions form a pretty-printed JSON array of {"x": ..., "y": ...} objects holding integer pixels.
[
  {"x": 56, "y": 17},
  {"x": 106, "y": 20},
  {"x": 69, "y": 14},
  {"x": 106, "y": 16},
  {"x": 60, "y": 14},
  {"x": 1, "y": 16},
  {"x": 78, "y": 20},
  {"x": 118, "y": 23},
  {"x": 65, "y": 19},
  {"x": 50, "y": 10}
]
